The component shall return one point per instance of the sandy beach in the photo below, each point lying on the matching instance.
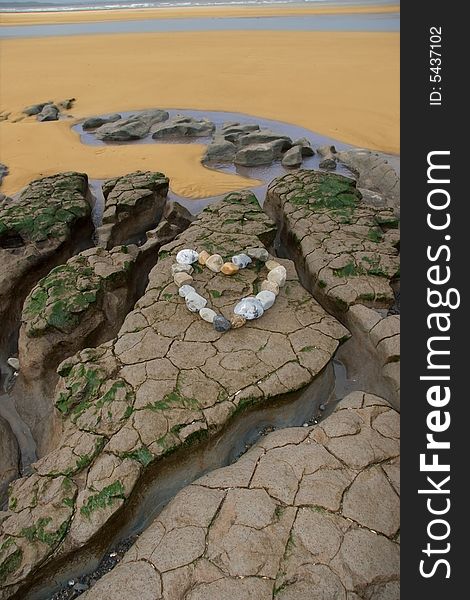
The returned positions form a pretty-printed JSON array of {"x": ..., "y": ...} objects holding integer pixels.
[
  {"x": 7, "y": 19},
  {"x": 343, "y": 85}
]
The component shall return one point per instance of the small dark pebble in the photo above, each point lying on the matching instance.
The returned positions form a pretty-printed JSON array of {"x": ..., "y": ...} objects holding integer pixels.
[{"x": 221, "y": 323}]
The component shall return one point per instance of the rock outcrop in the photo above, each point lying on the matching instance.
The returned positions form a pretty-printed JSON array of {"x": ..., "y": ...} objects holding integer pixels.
[
  {"x": 167, "y": 380},
  {"x": 374, "y": 174},
  {"x": 81, "y": 303},
  {"x": 134, "y": 127},
  {"x": 345, "y": 250},
  {"x": 47, "y": 224},
  {"x": 95, "y": 122},
  {"x": 133, "y": 204},
  {"x": 9, "y": 457},
  {"x": 181, "y": 126},
  {"x": 308, "y": 513}
]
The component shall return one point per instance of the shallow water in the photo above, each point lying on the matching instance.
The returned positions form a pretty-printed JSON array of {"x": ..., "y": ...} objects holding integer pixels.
[
  {"x": 346, "y": 22},
  {"x": 265, "y": 173}
]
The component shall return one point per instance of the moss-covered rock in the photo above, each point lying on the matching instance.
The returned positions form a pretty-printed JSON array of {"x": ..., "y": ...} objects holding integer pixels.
[{"x": 346, "y": 249}]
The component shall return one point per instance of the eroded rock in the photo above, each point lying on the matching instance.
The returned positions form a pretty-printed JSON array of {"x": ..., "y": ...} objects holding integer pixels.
[
  {"x": 296, "y": 517},
  {"x": 95, "y": 122},
  {"x": 346, "y": 249},
  {"x": 169, "y": 379},
  {"x": 184, "y": 126},
  {"x": 48, "y": 223},
  {"x": 9, "y": 457},
  {"x": 80, "y": 303},
  {"x": 134, "y": 204},
  {"x": 132, "y": 128}
]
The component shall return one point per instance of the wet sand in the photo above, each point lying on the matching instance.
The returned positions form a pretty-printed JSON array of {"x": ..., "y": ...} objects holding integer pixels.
[
  {"x": 7, "y": 19},
  {"x": 344, "y": 85}
]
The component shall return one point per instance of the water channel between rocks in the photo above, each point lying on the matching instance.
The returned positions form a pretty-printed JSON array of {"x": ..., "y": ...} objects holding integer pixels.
[{"x": 165, "y": 478}]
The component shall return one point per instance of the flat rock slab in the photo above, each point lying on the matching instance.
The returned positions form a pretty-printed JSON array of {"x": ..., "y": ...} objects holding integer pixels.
[
  {"x": 346, "y": 249},
  {"x": 133, "y": 204},
  {"x": 305, "y": 521},
  {"x": 170, "y": 379}
]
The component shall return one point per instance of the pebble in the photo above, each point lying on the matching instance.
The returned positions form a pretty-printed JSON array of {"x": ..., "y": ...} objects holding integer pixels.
[
  {"x": 258, "y": 253},
  {"x": 186, "y": 256},
  {"x": 214, "y": 262},
  {"x": 195, "y": 302},
  {"x": 221, "y": 324},
  {"x": 182, "y": 279},
  {"x": 241, "y": 260},
  {"x": 278, "y": 275},
  {"x": 177, "y": 268},
  {"x": 207, "y": 314},
  {"x": 203, "y": 256},
  {"x": 229, "y": 268},
  {"x": 185, "y": 290},
  {"x": 237, "y": 321},
  {"x": 272, "y": 264},
  {"x": 269, "y": 286},
  {"x": 249, "y": 308},
  {"x": 14, "y": 363},
  {"x": 266, "y": 298}
]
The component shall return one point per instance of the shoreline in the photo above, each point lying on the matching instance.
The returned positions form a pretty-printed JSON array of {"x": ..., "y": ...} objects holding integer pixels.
[
  {"x": 85, "y": 16},
  {"x": 345, "y": 86}
]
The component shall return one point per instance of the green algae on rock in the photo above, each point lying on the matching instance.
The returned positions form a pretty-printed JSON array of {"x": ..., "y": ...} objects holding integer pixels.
[
  {"x": 346, "y": 249},
  {"x": 133, "y": 204},
  {"x": 167, "y": 381}
]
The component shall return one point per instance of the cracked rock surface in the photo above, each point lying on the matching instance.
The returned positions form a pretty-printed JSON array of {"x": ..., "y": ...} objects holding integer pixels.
[
  {"x": 167, "y": 379},
  {"x": 39, "y": 230},
  {"x": 306, "y": 514},
  {"x": 345, "y": 249},
  {"x": 80, "y": 302},
  {"x": 133, "y": 204}
]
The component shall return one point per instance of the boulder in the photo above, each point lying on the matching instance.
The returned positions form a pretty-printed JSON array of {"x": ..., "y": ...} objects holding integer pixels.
[
  {"x": 293, "y": 157},
  {"x": 328, "y": 164},
  {"x": 305, "y": 146},
  {"x": 9, "y": 457},
  {"x": 66, "y": 104},
  {"x": 132, "y": 128},
  {"x": 48, "y": 223},
  {"x": 264, "y": 136},
  {"x": 35, "y": 109},
  {"x": 220, "y": 150},
  {"x": 184, "y": 127},
  {"x": 346, "y": 250},
  {"x": 374, "y": 173},
  {"x": 326, "y": 151},
  {"x": 307, "y": 513},
  {"x": 167, "y": 380},
  {"x": 95, "y": 122},
  {"x": 3, "y": 172},
  {"x": 50, "y": 112},
  {"x": 255, "y": 155},
  {"x": 133, "y": 204},
  {"x": 233, "y": 131}
]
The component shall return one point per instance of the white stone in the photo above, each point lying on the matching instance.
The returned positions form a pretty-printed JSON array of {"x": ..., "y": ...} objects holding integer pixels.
[
  {"x": 215, "y": 262},
  {"x": 266, "y": 298},
  {"x": 177, "y": 268},
  {"x": 207, "y": 314},
  {"x": 195, "y": 302},
  {"x": 272, "y": 264},
  {"x": 241, "y": 260},
  {"x": 185, "y": 290},
  {"x": 14, "y": 363},
  {"x": 278, "y": 275},
  {"x": 249, "y": 308},
  {"x": 186, "y": 256}
]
